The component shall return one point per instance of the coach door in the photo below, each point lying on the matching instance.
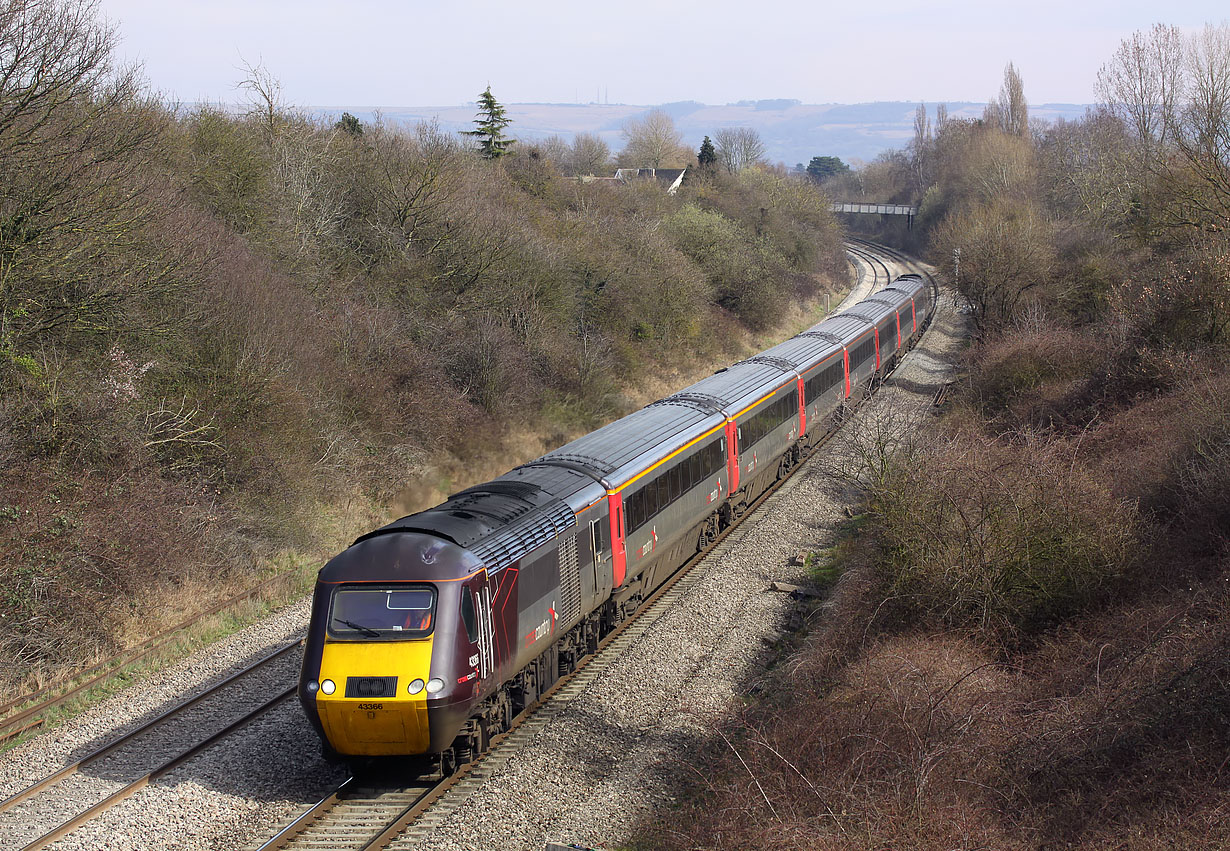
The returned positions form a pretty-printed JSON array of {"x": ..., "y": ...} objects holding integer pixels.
[
  {"x": 481, "y": 591},
  {"x": 600, "y": 565}
]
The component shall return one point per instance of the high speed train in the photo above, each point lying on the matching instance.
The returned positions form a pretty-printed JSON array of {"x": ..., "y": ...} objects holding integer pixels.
[{"x": 430, "y": 634}]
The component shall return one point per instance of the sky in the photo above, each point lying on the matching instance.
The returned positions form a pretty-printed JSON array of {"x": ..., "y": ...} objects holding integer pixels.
[{"x": 416, "y": 53}]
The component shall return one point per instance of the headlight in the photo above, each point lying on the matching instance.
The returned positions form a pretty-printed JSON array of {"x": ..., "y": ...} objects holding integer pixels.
[
  {"x": 328, "y": 686},
  {"x": 435, "y": 684},
  {"x": 313, "y": 687},
  {"x": 415, "y": 686}
]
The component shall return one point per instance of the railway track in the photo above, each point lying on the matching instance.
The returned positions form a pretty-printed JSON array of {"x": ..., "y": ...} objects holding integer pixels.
[
  {"x": 43, "y": 812},
  {"x": 356, "y": 817},
  {"x": 30, "y": 711},
  {"x": 866, "y": 254},
  {"x": 907, "y": 263}
]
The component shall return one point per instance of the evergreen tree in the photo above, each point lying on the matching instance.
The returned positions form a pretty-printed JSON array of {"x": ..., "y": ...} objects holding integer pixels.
[
  {"x": 707, "y": 155},
  {"x": 349, "y": 125},
  {"x": 491, "y": 121},
  {"x": 822, "y": 167}
]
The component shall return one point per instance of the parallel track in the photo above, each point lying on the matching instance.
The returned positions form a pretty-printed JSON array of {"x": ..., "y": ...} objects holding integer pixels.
[
  {"x": 30, "y": 711},
  {"x": 43, "y": 793},
  {"x": 367, "y": 819},
  {"x": 872, "y": 260}
]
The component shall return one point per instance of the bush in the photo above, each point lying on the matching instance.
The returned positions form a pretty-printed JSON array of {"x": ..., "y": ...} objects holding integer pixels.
[
  {"x": 1002, "y": 539},
  {"x": 1026, "y": 378},
  {"x": 896, "y": 752}
]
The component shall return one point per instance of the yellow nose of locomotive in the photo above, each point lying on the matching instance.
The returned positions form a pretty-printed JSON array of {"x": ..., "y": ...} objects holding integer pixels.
[{"x": 372, "y": 697}]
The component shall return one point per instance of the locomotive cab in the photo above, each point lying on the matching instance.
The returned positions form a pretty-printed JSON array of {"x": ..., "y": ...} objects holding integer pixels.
[{"x": 386, "y": 664}]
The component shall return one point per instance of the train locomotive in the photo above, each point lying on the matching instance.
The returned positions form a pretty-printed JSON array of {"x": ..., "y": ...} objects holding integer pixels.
[{"x": 428, "y": 635}]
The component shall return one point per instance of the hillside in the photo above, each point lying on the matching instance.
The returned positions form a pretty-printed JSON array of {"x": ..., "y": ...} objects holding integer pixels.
[
  {"x": 1024, "y": 631},
  {"x": 793, "y": 132}
]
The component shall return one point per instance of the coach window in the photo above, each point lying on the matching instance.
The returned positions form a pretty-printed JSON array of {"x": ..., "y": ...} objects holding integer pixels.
[{"x": 633, "y": 509}]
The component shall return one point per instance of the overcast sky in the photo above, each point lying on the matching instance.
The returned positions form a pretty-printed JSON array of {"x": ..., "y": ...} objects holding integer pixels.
[{"x": 417, "y": 53}]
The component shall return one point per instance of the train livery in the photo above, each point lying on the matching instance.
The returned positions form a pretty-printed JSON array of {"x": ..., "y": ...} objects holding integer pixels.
[{"x": 430, "y": 634}]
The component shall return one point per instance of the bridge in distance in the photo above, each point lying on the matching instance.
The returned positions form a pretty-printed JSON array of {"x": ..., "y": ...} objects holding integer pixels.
[{"x": 907, "y": 210}]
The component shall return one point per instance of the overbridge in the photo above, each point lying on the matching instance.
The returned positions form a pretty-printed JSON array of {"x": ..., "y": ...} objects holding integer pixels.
[{"x": 907, "y": 210}]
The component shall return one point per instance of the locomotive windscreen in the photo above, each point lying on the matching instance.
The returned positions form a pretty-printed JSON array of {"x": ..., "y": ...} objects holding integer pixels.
[{"x": 406, "y": 611}]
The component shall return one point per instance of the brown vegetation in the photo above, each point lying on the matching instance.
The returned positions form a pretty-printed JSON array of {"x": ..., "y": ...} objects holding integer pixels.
[{"x": 1028, "y": 645}]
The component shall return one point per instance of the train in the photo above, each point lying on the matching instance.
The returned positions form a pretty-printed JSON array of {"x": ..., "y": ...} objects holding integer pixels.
[{"x": 430, "y": 634}]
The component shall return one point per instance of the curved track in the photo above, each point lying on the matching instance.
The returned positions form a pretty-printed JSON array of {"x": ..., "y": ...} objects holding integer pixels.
[
  {"x": 867, "y": 257},
  {"x": 364, "y": 818}
]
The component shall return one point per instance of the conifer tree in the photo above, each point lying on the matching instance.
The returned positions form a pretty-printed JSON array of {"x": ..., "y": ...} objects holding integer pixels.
[
  {"x": 491, "y": 121},
  {"x": 707, "y": 155},
  {"x": 349, "y": 125}
]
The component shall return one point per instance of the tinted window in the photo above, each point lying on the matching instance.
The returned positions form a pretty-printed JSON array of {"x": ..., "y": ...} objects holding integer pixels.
[{"x": 468, "y": 616}]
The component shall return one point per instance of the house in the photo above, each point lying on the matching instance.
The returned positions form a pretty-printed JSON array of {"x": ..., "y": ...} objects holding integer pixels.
[{"x": 671, "y": 178}]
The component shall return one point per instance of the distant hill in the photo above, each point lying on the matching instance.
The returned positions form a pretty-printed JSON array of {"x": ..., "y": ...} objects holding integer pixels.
[{"x": 794, "y": 132}]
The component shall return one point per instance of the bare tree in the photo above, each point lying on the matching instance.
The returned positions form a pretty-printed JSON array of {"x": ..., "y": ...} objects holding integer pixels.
[
  {"x": 1013, "y": 108},
  {"x": 1006, "y": 250},
  {"x": 589, "y": 154},
  {"x": 555, "y": 149},
  {"x": 920, "y": 149},
  {"x": 653, "y": 142},
  {"x": 77, "y": 135},
  {"x": 1173, "y": 93},
  {"x": 738, "y": 148},
  {"x": 1088, "y": 167},
  {"x": 414, "y": 181},
  {"x": 1202, "y": 125},
  {"x": 1143, "y": 82},
  {"x": 264, "y": 92}
]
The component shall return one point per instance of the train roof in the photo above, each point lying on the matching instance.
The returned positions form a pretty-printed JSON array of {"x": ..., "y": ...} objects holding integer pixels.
[
  {"x": 845, "y": 326},
  {"x": 898, "y": 295},
  {"x": 804, "y": 351},
  {"x": 502, "y": 520},
  {"x": 618, "y": 451},
  {"x": 873, "y": 309},
  {"x": 909, "y": 284},
  {"x": 397, "y": 558},
  {"x": 733, "y": 389}
]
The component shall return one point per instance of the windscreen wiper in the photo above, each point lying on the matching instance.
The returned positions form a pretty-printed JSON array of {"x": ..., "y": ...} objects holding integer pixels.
[{"x": 368, "y": 631}]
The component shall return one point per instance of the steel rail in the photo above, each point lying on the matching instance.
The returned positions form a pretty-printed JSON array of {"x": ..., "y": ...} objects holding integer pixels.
[
  {"x": 309, "y": 816},
  {"x": 212, "y": 689},
  {"x": 873, "y": 259},
  {"x": 17, "y": 723},
  {"x": 150, "y": 776}
]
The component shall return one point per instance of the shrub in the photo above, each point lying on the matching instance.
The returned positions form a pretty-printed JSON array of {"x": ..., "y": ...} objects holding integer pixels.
[
  {"x": 1028, "y": 377},
  {"x": 1005, "y": 539}
]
